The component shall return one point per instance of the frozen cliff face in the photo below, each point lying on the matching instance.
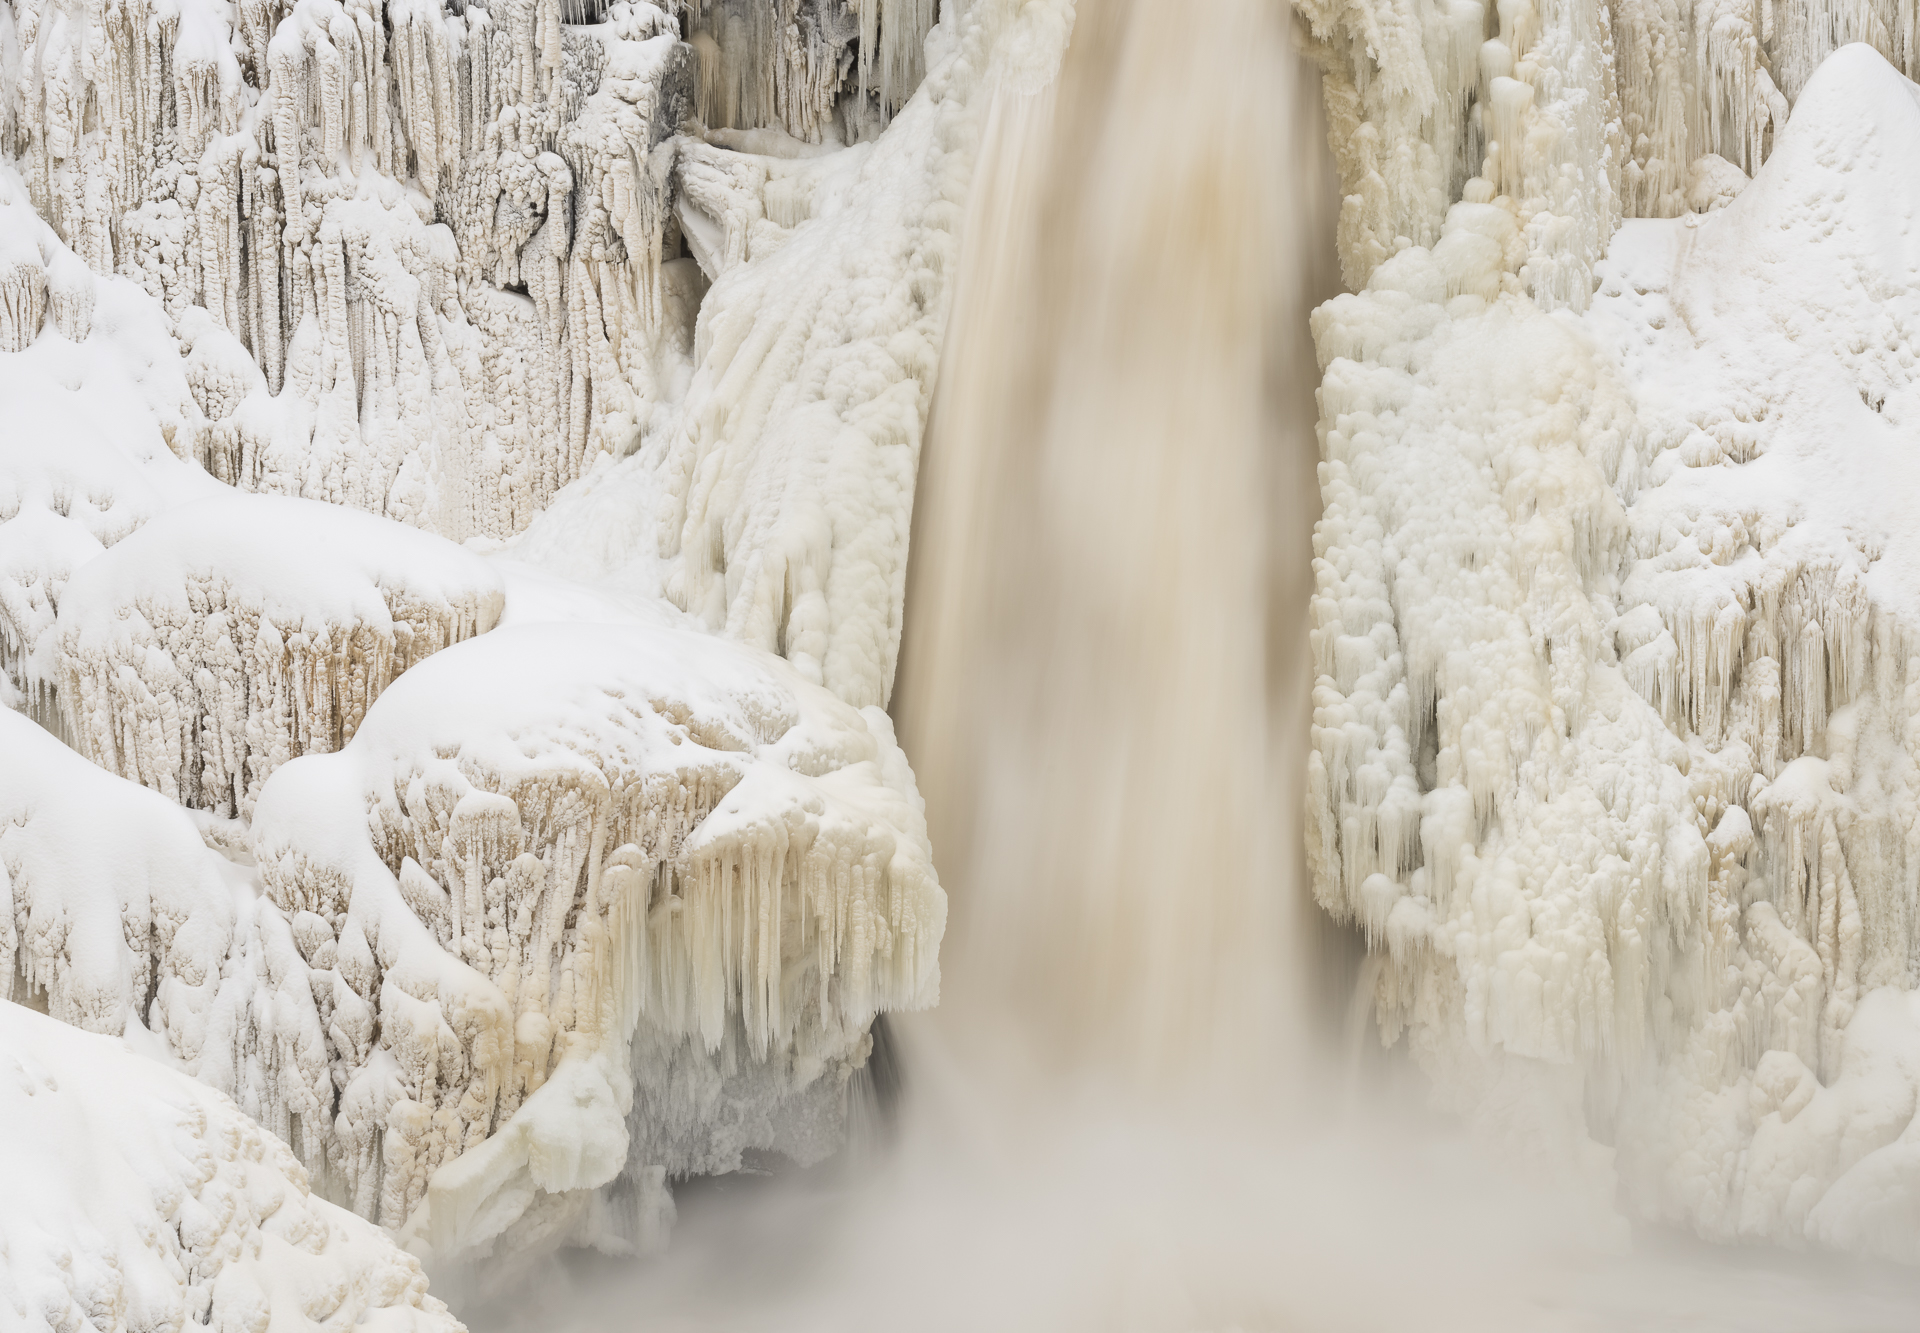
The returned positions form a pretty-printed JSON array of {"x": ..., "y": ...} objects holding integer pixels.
[
  {"x": 139, "y": 1199},
  {"x": 1612, "y": 728}
]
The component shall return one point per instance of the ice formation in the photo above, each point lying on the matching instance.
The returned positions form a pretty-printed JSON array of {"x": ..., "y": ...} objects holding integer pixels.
[
  {"x": 96, "y": 410},
  {"x": 606, "y": 853},
  {"x": 1612, "y": 741},
  {"x": 139, "y": 1199},
  {"x": 1580, "y": 113},
  {"x": 425, "y": 264},
  {"x": 783, "y": 481}
]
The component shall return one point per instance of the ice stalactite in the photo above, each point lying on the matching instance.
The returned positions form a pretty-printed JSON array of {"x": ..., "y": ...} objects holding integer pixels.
[
  {"x": 228, "y": 636},
  {"x": 437, "y": 236},
  {"x": 128, "y": 1228},
  {"x": 653, "y": 832},
  {"x": 1612, "y": 727},
  {"x": 814, "y": 68}
]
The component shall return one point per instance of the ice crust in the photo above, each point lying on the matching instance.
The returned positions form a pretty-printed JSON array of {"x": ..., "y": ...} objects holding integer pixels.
[{"x": 1613, "y": 754}]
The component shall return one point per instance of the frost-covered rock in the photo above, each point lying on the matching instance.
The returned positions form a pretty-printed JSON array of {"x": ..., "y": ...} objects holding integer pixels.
[
  {"x": 232, "y": 634},
  {"x": 139, "y": 1199}
]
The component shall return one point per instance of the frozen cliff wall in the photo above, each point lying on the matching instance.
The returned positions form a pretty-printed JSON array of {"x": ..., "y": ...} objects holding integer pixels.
[
  {"x": 1612, "y": 754},
  {"x": 140, "y": 1199}
]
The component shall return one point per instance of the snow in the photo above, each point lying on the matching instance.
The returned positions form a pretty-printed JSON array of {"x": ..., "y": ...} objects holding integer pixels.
[{"x": 140, "y": 1199}]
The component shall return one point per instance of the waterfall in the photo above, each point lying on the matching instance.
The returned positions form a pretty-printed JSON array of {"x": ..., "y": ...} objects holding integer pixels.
[{"x": 1103, "y": 657}]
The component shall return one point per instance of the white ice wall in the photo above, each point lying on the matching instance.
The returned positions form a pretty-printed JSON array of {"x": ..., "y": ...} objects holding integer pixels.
[{"x": 1611, "y": 733}]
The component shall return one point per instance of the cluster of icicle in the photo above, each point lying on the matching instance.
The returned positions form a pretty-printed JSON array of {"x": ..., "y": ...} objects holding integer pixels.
[
  {"x": 427, "y": 246},
  {"x": 1612, "y": 765},
  {"x": 129, "y": 1228},
  {"x": 1581, "y": 111},
  {"x": 651, "y": 837},
  {"x": 791, "y": 62}
]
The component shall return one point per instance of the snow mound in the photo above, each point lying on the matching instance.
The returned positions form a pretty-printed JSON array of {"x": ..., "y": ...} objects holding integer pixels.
[
  {"x": 141, "y": 1199},
  {"x": 230, "y": 635},
  {"x": 558, "y": 839},
  {"x": 108, "y": 896}
]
